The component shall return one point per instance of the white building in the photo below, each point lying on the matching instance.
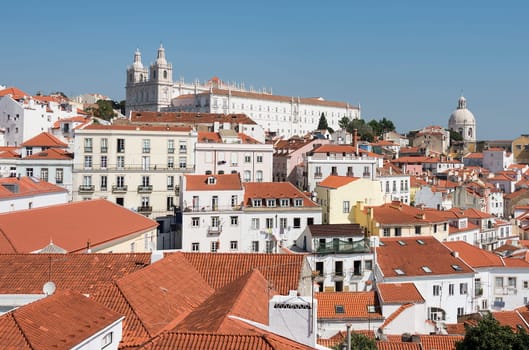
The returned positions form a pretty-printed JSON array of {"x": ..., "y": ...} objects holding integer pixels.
[
  {"x": 24, "y": 116},
  {"x": 153, "y": 89},
  {"x": 228, "y": 152},
  {"x": 220, "y": 213},
  {"x": 341, "y": 160},
  {"x": 462, "y": 120},
  {"x": 497, "y": 159},
  {"x": 137, "y": 167},
  {"x": 28, "y": 193}
]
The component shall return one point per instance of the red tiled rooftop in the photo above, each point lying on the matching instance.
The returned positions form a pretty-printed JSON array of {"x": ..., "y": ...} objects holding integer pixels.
[
  {"x": 137, "y": 127},
  {"x": 52, "y": 153},
  {"x": 334, "y": 181},
  {"x": 274, "y": 190},
  {"x": 400, "y": 213},
  {"x": 439, "y": 342},
  {"x": 15, "y": 93},
  {"x": 220, "y": 182},
  {"x": 399, "y": 293},
  {"x": 354, "y": 304},
  {"x": 12, "y": 187},
  {"x": 44, "y": 139},
  {"x": 95, "y": 221},
  {"x": 188, "y": 118},
  {"x": 474, "y": 256}
]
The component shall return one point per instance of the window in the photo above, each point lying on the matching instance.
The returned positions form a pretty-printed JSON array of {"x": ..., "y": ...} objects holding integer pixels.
[
  {"x": 88, "y": 145},
  {"x": 257, "y": 202},
  {"x": 88, "y": 162},
  {"x": 417, "y": 230},
  {"x": 234, "y": 200},
  {"x": 214, "y": 246},
  {"x": 255, "y": 246},
  {"x": 511, "y": 282},
  {"x": 255, "y": 223},
  {"x": 436, "y": 314},
  {"x": 436, "y": 290},
  {"x": 215, "y": 221},
  {"x": 345, "y": 207},
  {"x": 259, "y": 176},
  {"x": 283, "y": 223},
  {"x": 386, "y": 232},
  {"x": 170, "y": 146},
  {"x": 195, "y": 247},
  {"x": 104, "y": 145},
  {"x": 29, "y": 151},
  {"x": 106, "y": 340},
  {"x": 146, "y": 146},
  {"x": 234, "y": 220},
  {"x": 269, "y": 222},
  {"x": 298, "y": 202},
  {"x": 44, "y": 174},
  {"x": 145, "y": 202},
  {"x": 247, "y": 158},
  {"x": 498, "y": 282},
  {"x": 233, "y": 245},
  {"x": 29, "y": 172},
  {"x": 195, "y": 221},
  {"x": 170, "y": 182},
  {"x": 394, "y": 186},
  {"x": 284, "y": 202},
  {"x": 170, "y": 162},
  {"x": 525, "y": 284},
  {"x": 59, "y": 175},
  {"x": 145, "y": 181},
  {"x": 183, "y": 147},
  {"x": 103, "y": 162},
  {"x": 463, "y": 288},
  {"x": 120, "y": 162},
  {"x": 398, "y": 232},
  {"x": 103, "y": 182},
  {"x": 259, "y": 159},
  {"x": 121, "y": 145},
  {"x": 297, "y": 222},
  {"x": 460, "y": 311},
  {"x": 269, "y": 247},
  {"x": 247, "y": 176},
  {"x": 368, "y": 265},
  {"x": 451, "y": 289},
  {"x": 170, "y": 203},
  {"x": 182, "y": 162},
  {"x": 270, "y": 202},
  {"x": 120, "y": 181}
]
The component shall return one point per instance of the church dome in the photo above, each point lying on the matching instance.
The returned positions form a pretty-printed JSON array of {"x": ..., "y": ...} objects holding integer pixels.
[{"x": 461, "y": 116}]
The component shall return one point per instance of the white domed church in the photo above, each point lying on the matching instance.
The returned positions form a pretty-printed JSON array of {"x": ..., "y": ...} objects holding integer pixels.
[{"x": 462, "y": 120}]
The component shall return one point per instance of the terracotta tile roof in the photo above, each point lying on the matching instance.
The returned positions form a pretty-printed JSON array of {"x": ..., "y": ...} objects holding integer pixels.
[
  {"x": 274, "y": 190},
  {"x": 395, "y": 314},
  {"x": 474, "y": 256},
  {"x": 408, "y": 255},
  {"x": 222, "y": 182},
  {"x": 209, "y": 137},
  {"x": 396, "y": 213},
  {"x": 399, "y": 293},
  {"x": 474, "y": 155},
  {"x": 354, "y": 305},
  {"x": 200, "y": 341},
  {"x": 188, "y": 118},
  {"x": 336, "y": 230},
  {"x": 456, "y": 328},
  {"x": 52, "y": 153},
  {"x": 515, "y": 194},
  {"x": 334, "y": 181},
  {"x": 84, "y": 273},
  {"x": 381, "y": 345},
  {"x": 12, "y": 187},
  {"x": 60, "y": 321},
  {"x": 328, "y": 148},
  {"x": 512, "y": 319},
  {"x": 57, "y": 223},
  {"x": 15, "y": 93},
  {"x": 247, "y": 139},
  {"x": 137, "y": 127},
  {"x": 8, "y": 154},
  {"x": 283, "y": 271},
  {"x": 439, "y": 342},
  {"x": 44, "y": 139},
  {"x": 246, "y": 297},
  {"x": 411, "y": 159}
]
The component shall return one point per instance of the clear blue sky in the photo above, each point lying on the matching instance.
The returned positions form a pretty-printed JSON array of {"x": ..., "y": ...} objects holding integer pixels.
[{"x": 404, "y": 60}]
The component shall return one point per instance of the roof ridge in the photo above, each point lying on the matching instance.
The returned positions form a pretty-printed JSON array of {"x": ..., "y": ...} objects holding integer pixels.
[
  {"x": 21, "y": 330},
  {"x": 9, "y": 241},
  {"x": 132, "y": 308}
]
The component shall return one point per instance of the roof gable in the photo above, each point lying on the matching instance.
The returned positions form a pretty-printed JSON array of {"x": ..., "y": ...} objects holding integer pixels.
[
  {"x": 44, "y": 139},
  {"x": 334, "y": 181},
  {"x": 219, "y": 182}
]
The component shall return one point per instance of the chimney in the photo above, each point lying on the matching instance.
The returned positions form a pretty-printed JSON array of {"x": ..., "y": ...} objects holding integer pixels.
[{"x": 455, "y": 254}]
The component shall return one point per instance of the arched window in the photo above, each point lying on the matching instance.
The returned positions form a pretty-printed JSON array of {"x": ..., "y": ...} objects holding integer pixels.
[
  {"x": 470, "y": 132},
  {"x": 141, "y": 77},
  {"x": 165, "y": 74},
  {"x": 154, "y": 74}
]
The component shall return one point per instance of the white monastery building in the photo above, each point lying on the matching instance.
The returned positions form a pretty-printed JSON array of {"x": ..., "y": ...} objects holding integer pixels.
[{"x": 153, "y": 89}]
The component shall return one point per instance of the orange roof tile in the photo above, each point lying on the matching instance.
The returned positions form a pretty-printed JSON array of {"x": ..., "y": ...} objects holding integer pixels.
[
  {"x": 208, "y": 137},
  {"x": 512, "y": 319},
  {"x": 44, "y": 139},
  {"x": 15, "y": 93},
  {"x": 474, "y": 256},
  {"x": 95, "y": 221},
  {"x": 52, "y": 153},
  {"x": 334, "y": 181},
  {"x": 276, "y": 190},
  {"x": 439, "y": 342},
  {"x": 400, "y": 213},
  {"x": 395, "y": 314},
  {"x": 382, "y": 345},
  {"x": 7, "y": 154},
  {"x": 399, "y": 293},
  {"x": 60, "y": 321},
  {"x": 188, "y": 118},
  {"x": 137, "y": 127},
  {"x": 354, "y": 305},
  {"x": 328, "y": 148},
  {"x": 409, "y": 256},
  {"x": 12, "y": 187},
  {"x": 222, "y": 182}
]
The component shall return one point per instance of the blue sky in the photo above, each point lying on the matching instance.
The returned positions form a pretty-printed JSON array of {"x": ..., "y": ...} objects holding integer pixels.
[{"x": 407, "y": 61}]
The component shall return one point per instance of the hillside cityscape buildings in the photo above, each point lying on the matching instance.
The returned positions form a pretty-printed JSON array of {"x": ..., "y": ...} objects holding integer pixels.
[{"x": 213, "y": 214}]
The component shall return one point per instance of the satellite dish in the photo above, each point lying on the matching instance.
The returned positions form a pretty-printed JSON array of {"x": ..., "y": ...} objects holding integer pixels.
[{"x": 49, "y": 288}]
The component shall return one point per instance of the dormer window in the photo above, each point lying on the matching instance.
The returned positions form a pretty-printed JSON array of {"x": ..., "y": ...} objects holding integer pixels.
[
  {"x": 271, "y": 202},
  {"x": 284, "y": 202},
  {"x": 257, "y": 202},
  {"x": 298, "y": 202},
  {"x": 212, "y": 180}
]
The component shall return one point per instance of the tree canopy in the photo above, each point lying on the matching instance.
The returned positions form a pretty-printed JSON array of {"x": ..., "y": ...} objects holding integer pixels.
[
  {"x": 488, "y": 334},
  {"x": 104, "y": 109},
  {"x": 367, "y": 131},
  {"x": 358, "y": 341}
]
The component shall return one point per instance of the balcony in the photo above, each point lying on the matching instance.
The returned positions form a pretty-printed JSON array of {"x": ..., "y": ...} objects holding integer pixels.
[
  {"x": 145, "y": 209},
  {"x": 104, "y": 149},
  {"x": 88, "y": 149},
  {"x": 318, "y": 175},
  {"x": 146, "y": 150},
  {"x": 338, "y": 276},
  {"x": 214, "y": 230},
  {"x": 170, "y": 150},
  {"x": 86, "y": 188},
  {"x": 344, "y": 247},
  {"x": 119, "y": 189},
  {"x": 144, "y": 188}
]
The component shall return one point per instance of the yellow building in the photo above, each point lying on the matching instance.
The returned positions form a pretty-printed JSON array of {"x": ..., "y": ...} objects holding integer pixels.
[
  {"x": 337, "y": 195},
  {"x": 520, "y": 149}
]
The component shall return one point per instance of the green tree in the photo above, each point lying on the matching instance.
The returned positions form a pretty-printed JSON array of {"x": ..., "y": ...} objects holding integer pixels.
[
  {"x": 104, "y": 109},
  {"x": 322, "y": 124},
  {"x": 488, "y": 334},
  {"x": 358, "y": 341},
  {"x": 342, "y": 123},
  {"x": 365, "y": 131},
  {"x": 455, "y": 136}
]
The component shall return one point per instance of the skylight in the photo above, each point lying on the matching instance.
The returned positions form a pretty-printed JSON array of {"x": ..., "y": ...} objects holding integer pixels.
[
  {"x": 339, "y": 309},
  {"x": 399, "y": 272},
  {"x": 457, "y": 267},
  {"x": 426, "y": 269},
  {"x": 421, "y": 242},
  {"x": 401, "y": 242}
]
